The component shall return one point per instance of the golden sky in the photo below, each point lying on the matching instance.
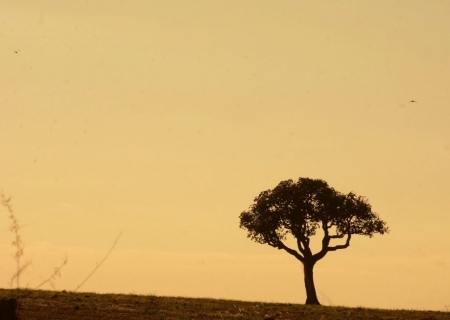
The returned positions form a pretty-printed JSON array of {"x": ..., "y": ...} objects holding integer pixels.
[{"x": 165, "y": 119}]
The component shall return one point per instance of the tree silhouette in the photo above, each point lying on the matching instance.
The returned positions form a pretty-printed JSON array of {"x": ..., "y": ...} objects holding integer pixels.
[{"x": 300, "y": 208}]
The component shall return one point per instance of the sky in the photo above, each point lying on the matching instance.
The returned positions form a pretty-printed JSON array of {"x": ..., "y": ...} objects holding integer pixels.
[{"x": 165, "y": 119}]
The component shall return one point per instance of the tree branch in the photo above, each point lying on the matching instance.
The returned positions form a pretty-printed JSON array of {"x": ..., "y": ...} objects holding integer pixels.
[
  {"x": 300, "y": 247},
  {"x": 342, "y": 246},
  {"x": 336, "y": 236},
  {"x": 325, "y": 245},
  {"x": 303, "y": 246},
  {"x": 281, "y": 245}
]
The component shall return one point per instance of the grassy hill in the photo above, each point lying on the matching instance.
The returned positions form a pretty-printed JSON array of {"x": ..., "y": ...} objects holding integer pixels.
[{"x": 41, "y": 305}]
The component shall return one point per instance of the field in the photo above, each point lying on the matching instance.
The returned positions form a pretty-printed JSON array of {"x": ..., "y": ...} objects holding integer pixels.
[{"x": 41, "y": 305}]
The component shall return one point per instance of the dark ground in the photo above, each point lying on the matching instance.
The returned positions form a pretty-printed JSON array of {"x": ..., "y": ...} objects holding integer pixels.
[{"x": 42, "y": 305}]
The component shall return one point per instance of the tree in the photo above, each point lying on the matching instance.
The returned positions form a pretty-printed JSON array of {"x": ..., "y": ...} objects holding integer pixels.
[{"x": 300, "y": 208}]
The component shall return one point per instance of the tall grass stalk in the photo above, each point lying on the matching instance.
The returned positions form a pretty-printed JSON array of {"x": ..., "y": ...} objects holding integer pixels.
[
  {"x": 19, "y": 246},
  {"x": 101, "y": 262},
  {"x": 17, "y": 243},
  {"x": 56, "y": 273}
]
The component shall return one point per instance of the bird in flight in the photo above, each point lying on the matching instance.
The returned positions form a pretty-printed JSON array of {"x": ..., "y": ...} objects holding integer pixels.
[
  {"x": 16, "y": 51},
  {"x": 413, "y": 101}
]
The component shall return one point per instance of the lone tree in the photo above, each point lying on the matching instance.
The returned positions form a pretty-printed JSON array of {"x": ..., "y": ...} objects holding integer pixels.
[{"x": 300, "y": 208}]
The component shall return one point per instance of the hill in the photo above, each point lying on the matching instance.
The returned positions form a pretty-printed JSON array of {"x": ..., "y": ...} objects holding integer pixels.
[{"x": 40, "y": 305}]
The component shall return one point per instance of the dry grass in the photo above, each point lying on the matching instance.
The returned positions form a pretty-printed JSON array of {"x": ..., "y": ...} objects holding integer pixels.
[
  {"x": 41, "y": 305},
  {"x": 17, "y": 243},
  {"x": 19, "y": 247}
]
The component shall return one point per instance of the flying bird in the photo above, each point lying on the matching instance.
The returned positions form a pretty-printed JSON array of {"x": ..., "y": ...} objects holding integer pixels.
[
  {"x": 16, "y": 51},
  {"x": 413, "y": 101}
]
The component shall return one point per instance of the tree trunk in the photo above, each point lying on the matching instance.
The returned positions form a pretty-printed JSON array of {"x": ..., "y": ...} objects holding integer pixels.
[{"x": 311, "y": 297}]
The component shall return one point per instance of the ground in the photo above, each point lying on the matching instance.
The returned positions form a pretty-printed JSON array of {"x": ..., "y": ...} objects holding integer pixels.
[{"x": 41, "y": 305}]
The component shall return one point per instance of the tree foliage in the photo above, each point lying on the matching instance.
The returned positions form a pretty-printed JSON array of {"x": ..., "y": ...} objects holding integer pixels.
[{"x": 300, "y": 208}]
